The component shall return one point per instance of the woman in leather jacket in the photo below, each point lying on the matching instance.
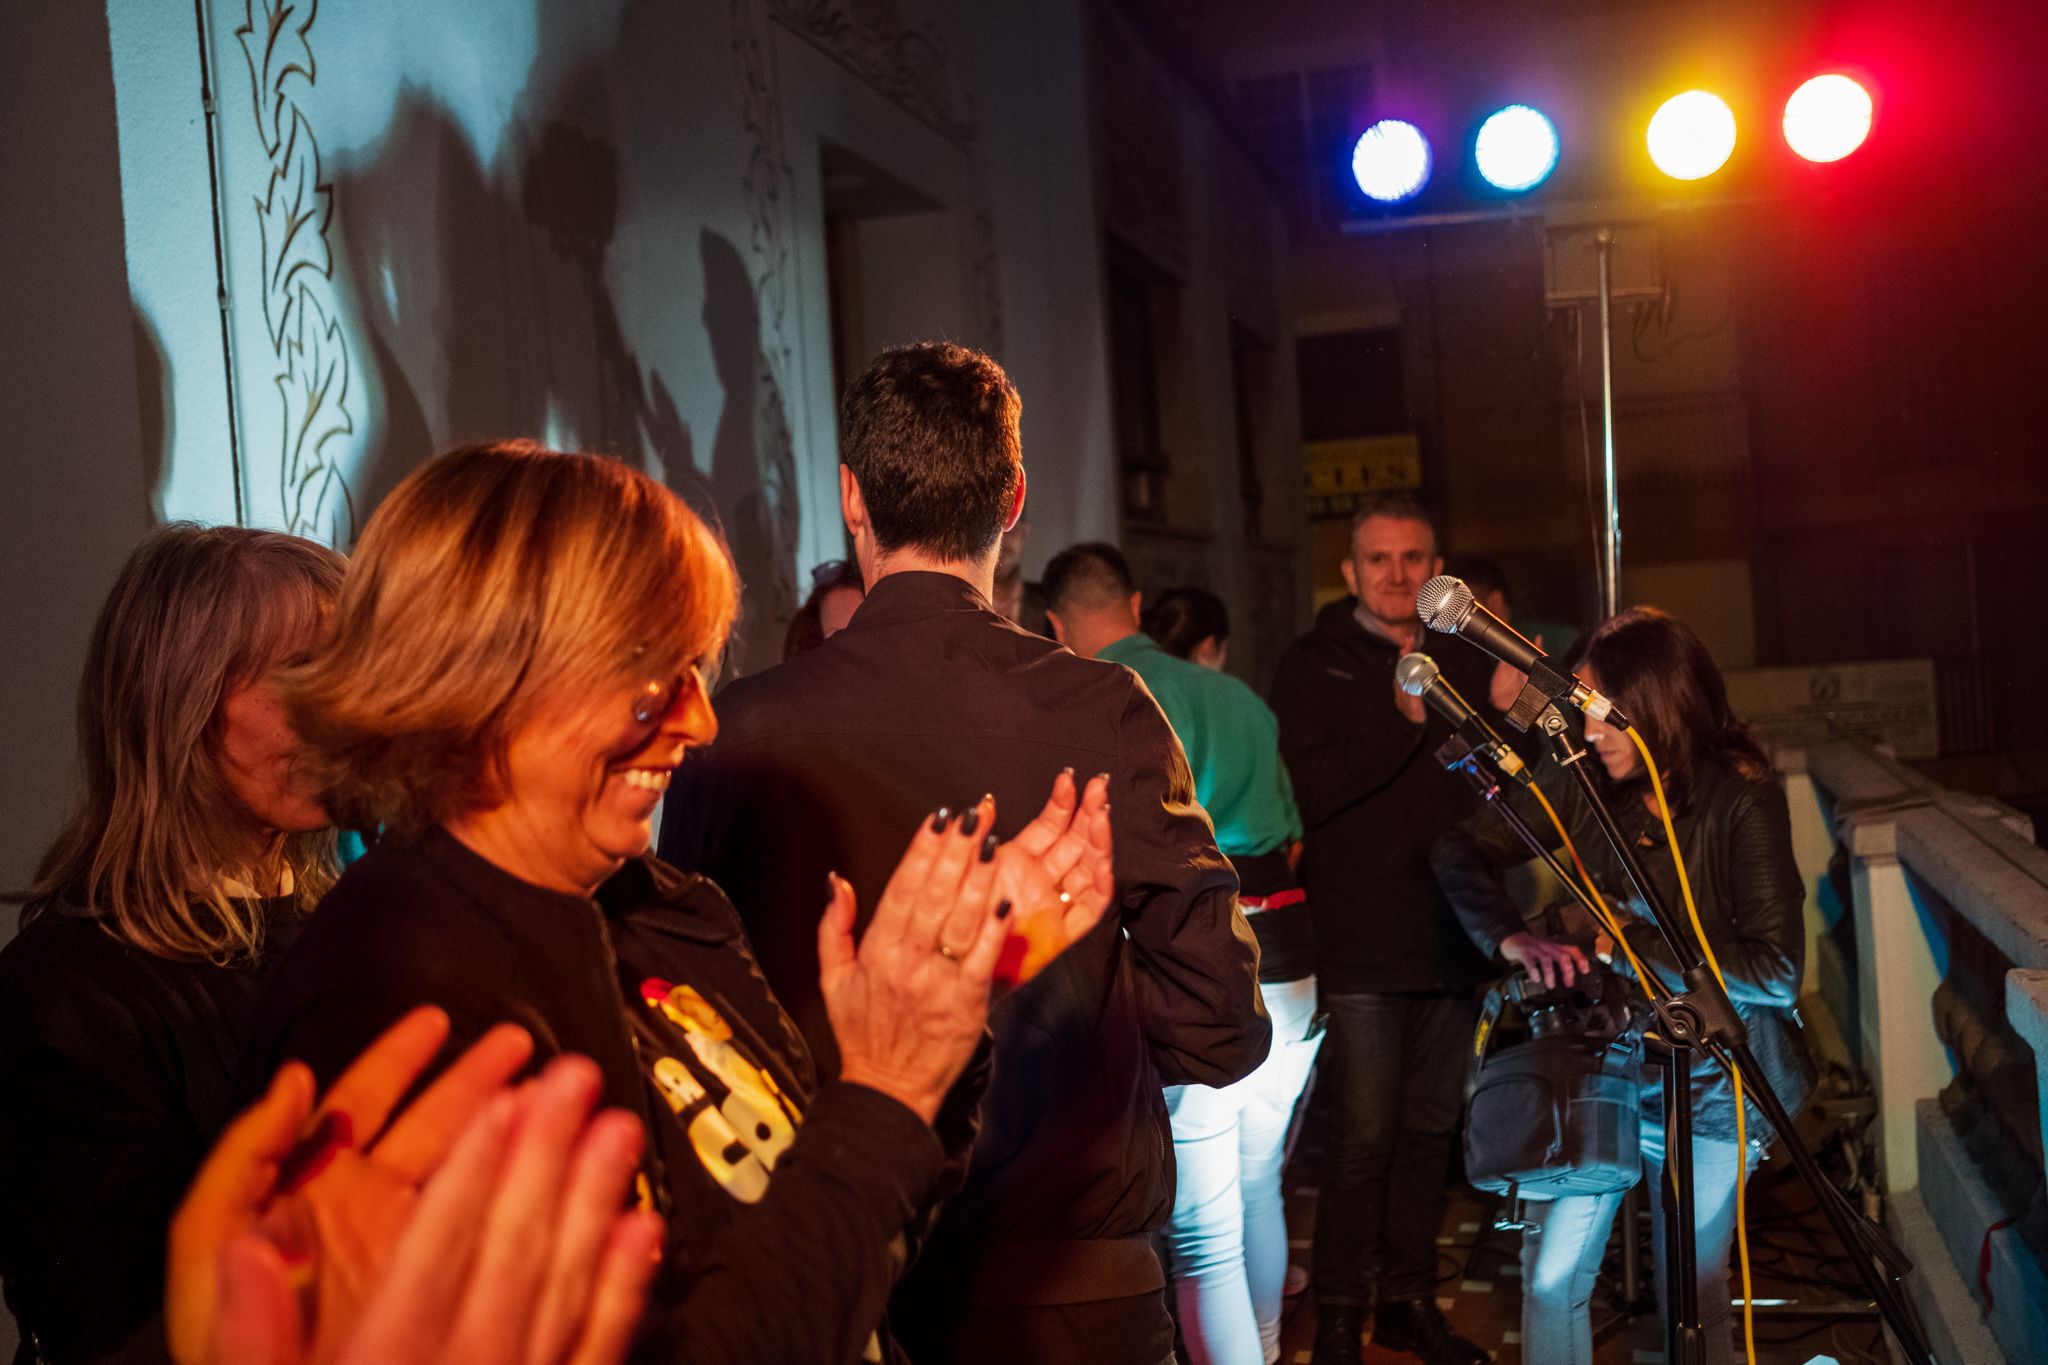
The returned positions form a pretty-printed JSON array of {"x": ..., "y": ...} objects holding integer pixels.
[{"x": 1734, "y": 833}]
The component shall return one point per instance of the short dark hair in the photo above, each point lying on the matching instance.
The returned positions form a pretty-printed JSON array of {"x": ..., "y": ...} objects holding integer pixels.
[
  {"x": 930, "y": 433},
  {"x": 1184, "y": 617},
  {"x": 1398, "y": 505},
  {"x": 1482, "y": 575},
  {"x": 1092, "y": 576}
]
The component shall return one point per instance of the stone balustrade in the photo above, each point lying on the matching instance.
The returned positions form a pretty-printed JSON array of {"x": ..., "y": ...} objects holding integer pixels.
[{"x": 1928, "y": 947}]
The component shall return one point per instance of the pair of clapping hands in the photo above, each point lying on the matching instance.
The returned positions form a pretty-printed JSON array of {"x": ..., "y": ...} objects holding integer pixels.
[{"x": 484, "y": 1222}]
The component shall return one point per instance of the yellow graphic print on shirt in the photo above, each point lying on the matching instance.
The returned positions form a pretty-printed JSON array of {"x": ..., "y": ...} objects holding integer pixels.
[{"x": 738, "y": 1119}]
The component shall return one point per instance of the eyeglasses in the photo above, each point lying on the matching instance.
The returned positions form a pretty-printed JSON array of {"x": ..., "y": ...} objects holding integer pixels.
[{"x": 654, "y": 699}]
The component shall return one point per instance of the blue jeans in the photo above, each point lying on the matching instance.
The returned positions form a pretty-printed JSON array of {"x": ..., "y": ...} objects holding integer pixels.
[
  {"x": 1228, "y": 1235},
  {"x": 1566, "y": 1239}
]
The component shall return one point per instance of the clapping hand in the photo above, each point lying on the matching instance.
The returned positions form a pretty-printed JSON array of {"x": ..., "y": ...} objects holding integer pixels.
[
  {"x": 1506, "y": 685},
  {"x": 1057, "y": 876},
  {"x": 909, "y": 1001},
  {"x": 483, "y": 1225}
]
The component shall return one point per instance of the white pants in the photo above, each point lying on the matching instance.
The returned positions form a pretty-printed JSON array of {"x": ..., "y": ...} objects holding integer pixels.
[{"x": 1228, "y": 1236}]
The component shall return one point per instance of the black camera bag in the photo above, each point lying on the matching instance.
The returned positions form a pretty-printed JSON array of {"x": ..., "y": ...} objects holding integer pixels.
[{"x": 1556, "y": 1115}]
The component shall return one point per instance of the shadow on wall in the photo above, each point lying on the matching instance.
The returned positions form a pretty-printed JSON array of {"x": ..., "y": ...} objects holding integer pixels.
[
  {"x": 153, "y": 407},
  {"x": 486, "y": 312}
]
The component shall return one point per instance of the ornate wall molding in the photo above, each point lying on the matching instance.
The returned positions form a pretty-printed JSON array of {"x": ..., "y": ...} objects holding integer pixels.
[
  {"x": 872, "y": 39},
  {"x": 301, "y": 305}
]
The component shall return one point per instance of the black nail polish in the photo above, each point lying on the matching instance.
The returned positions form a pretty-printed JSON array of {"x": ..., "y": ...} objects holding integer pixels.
[
  {"x": 1102, "y": 777},
  {"x": 831, "y": 884},
  {"x": 1068, "y": 770},
  {"x": 1003, "y": 910},
  {"x": 988, "y": 848},
  {"x": 939, "y": 819},
  {"x": 971, "y": 821}
]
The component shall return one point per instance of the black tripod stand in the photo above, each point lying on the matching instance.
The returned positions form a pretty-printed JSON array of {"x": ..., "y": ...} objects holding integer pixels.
[{"x": 1700, "y": 1017}]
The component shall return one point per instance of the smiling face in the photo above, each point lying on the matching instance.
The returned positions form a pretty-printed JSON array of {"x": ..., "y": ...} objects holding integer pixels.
[
  {"x": 1391, "y": 558},
  {"x": 583, "y": 777},
  {"x": 1616, "y": 750}
]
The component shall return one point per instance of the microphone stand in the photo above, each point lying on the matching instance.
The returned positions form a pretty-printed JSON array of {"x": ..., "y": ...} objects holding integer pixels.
[
  {"x": 1701, "y": 1017},
  {"x": 1457, "y": 755}
]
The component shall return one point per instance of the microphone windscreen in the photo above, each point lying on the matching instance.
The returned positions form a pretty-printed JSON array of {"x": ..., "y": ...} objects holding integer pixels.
[
  {"x": 1414, "y": 673},
  {"x": 1444, "y": 603}
]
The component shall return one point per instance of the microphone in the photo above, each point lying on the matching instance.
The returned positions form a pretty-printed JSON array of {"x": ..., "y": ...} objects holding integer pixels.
[
  {"x": 1446, "y": 605},
  {"x": 1418, "y": 676}
]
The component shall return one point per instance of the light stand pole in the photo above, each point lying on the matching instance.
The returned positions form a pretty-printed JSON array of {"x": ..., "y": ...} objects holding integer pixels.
[
  {"x": 1557, "y": 228},
  {"x": 1610, "y": 584}
]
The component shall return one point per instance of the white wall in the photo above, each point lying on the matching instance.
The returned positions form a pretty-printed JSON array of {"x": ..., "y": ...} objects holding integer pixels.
[{"x": 599, "y": 224}]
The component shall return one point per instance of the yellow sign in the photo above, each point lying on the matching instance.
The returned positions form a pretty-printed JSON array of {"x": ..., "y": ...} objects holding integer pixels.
[{"x": 1339, "y": 473}]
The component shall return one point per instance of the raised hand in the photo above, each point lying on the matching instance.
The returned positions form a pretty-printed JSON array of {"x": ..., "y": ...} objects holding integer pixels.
[
  {"x": 1413, "y": 709},
  {"x": 909, "y": 1002},
  {"x": 1507, "y": 682},
  {"x": 1057, "y": 875},
  {"x": 484, "y": 1226}
]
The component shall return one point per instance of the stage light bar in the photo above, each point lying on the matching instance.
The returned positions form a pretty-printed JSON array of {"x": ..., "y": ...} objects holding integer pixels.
[
  {"x": 1692, "y": 135},
  {"x": 1391, "y": 161},
  {"x": 1827, "y": 118},
  {"x": 1516, "y": 149}
]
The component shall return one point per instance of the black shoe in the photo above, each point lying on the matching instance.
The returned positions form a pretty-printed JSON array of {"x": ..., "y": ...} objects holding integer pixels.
[
  {"x": 1417, "y": 1325},
  {"x": 1340, "y": 1328}
]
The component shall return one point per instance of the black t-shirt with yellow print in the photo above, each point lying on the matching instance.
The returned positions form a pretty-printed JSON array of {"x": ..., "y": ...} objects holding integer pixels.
[{"x": 789, "y": 1204}]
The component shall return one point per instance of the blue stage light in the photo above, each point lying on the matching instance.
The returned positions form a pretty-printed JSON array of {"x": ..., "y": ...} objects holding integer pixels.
[
  {"x": 1391, "y": 161},
  {"x": 1516, "y": 148}
]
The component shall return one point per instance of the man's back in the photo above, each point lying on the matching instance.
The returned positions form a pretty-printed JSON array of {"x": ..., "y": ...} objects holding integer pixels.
[{"x": 929, "y": 699}]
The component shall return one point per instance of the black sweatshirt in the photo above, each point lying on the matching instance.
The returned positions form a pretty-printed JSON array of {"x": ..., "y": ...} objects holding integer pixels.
[
  {"x": 929, "y": 698},
  {"x": 790, "y": 1207},
  {"x": 116, "y": 1074},
  {"x": 1373, "y": 799}
]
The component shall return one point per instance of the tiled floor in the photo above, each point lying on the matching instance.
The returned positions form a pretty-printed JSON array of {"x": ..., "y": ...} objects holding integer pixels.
[{"x": 1793, "y": 1253}]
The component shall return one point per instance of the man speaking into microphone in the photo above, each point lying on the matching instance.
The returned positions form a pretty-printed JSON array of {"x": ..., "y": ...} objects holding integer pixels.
[{"x": 1396, "y": 971}]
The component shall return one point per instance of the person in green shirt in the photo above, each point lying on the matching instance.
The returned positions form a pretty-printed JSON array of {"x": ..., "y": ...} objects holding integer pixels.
[{"x": 1228, "y": 1234}]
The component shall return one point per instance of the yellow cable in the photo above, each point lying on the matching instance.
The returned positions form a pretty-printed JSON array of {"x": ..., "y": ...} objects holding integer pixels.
[
  {"x": 1602, "y": 911},
  {"x": 1741, "y": 1109}
]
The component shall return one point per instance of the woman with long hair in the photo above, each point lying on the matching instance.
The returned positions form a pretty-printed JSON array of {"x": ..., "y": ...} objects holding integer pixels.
[
  {"x": 184, "y": 872},
  {"x": 1735, "y": 834},
  {"x": 514, "y": 673}
]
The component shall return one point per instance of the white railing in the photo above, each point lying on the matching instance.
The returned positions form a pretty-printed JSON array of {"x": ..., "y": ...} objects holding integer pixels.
[{"x": 1919, "y": 858}]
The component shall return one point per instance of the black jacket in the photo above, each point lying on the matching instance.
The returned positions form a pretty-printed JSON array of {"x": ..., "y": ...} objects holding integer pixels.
[
  {"x": 927, "y": 699},
  {"x": 116, "y": 1074},
  {"x": 795, "y": 1267},
  {"x": 1736, "y": 837},
  {"x": 1373, "y": 799}
]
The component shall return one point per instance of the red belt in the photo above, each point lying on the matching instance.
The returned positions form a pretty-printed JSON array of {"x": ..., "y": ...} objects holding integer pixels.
[{"x": 1279, "y": 900}]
